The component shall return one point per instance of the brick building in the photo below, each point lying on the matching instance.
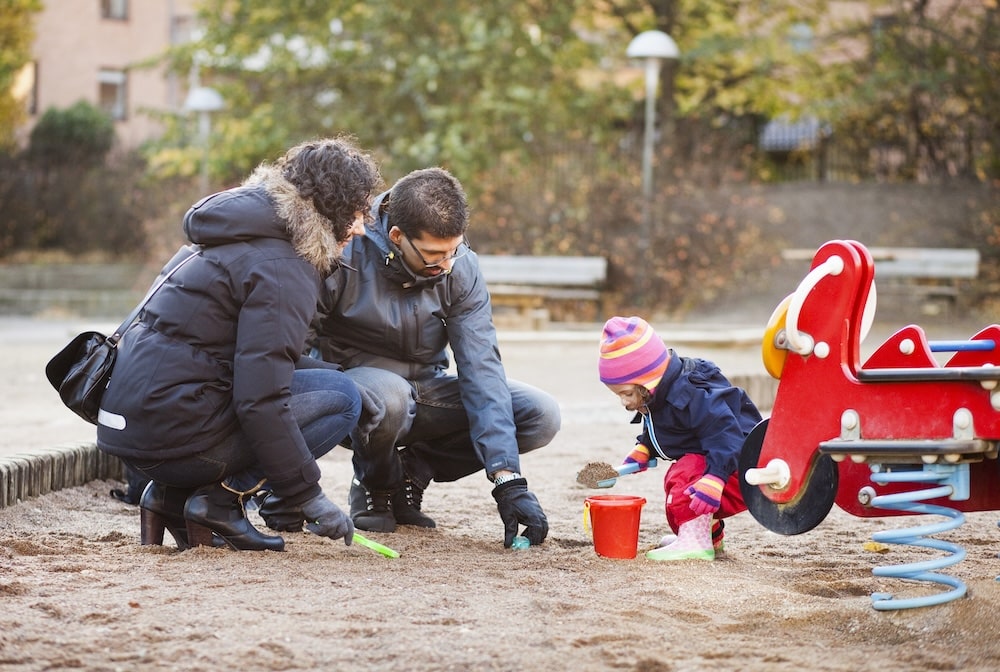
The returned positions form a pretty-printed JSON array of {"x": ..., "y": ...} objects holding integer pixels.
[{"x": 95, "y": 50}]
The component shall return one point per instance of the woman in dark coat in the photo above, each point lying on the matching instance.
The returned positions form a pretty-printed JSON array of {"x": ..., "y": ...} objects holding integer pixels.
[{"x": 210, "y": 396}]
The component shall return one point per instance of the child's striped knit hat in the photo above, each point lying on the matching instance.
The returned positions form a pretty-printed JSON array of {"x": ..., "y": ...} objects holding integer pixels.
[{"x": 632, "y": 353}]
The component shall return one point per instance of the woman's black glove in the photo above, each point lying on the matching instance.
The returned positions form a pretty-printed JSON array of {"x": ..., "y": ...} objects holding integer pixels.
[
  {"x": 325, "y": 518},
  {"x": 517, "y": 505}
]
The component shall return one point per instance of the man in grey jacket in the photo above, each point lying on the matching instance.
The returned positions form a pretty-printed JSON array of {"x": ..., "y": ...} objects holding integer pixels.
[{"x": 404, "y": 293}]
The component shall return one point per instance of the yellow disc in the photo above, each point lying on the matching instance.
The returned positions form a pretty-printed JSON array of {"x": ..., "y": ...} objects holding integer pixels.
[{"x": 773, "y": 356}]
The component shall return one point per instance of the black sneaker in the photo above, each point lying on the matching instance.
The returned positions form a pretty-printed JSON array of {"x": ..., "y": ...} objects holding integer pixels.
[
  {"x": 406, "y": 506},
  {"x": 371, "y": 510}
]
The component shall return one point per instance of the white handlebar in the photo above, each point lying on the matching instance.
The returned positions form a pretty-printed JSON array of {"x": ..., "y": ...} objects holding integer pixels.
[
  {"x": 797, "y": 341},
  {"x": 776, "y": 474}
]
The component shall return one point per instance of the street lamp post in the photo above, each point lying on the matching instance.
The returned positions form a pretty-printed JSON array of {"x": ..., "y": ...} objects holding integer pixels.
[
  {"x": 653, "y": 47},
  {"x": 204, "y": 100}
]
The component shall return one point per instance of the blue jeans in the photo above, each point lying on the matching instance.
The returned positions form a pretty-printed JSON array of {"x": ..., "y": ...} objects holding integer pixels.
[
  {"x": 428, "y": 417},
  {"x": 326, "y": 406}
]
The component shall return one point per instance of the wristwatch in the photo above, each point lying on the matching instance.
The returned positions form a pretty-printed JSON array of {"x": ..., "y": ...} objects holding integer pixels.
[{"x": 505, "y": 478}]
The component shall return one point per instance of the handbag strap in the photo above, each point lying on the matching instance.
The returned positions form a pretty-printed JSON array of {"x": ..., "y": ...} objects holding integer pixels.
[{"x": 116, "y": 336}]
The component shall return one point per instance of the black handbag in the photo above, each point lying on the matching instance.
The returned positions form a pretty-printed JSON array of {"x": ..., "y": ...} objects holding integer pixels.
[{"x": 80, "y": 372}]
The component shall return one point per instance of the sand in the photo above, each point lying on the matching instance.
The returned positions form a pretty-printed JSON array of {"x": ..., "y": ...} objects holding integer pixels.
[
  {"x": 79, "y": 592},
  {"x": 594, "y": 472}
]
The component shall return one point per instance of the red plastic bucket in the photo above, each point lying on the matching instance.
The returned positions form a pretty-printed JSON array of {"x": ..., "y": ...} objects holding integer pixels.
[{"x": 614, "y": 522}]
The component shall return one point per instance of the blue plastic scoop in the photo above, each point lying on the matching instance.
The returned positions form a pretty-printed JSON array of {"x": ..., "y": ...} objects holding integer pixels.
[{"x": 624, "y": 469}]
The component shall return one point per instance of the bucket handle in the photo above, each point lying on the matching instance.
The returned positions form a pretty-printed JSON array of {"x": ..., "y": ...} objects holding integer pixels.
[{"x": 586, "y": 516}]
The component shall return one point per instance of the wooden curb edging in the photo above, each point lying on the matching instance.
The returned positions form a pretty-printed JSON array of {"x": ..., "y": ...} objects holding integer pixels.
[{"x": 39, "y": 472}]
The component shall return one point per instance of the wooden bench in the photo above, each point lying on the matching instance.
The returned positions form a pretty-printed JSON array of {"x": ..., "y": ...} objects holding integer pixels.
[
  {"x": 530, "y": 285},
  {"x": 933, "y": 277}
]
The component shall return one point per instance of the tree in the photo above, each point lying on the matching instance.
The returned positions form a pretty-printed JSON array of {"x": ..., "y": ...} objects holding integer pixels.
[
  {"x": 461, "y": 82},
  {"x": 924, "y": 95},
  {"x": 511, "y": 94},
  {"x": 448, "y": 82},
  {"x": 736, "y": 59},
  {"x": 16, "y": 36},
  {"x": 908, "y": 78}
]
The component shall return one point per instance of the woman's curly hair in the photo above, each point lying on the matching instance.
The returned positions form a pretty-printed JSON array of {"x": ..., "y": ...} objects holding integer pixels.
[{"x": 336, "y": 176}]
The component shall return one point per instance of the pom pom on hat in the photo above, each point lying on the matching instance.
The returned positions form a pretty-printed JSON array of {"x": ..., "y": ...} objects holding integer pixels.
[{"x": 632, "y": 353}]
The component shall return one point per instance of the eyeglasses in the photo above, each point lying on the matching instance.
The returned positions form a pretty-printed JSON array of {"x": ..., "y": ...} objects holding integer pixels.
[{"x": 462, "y": 250}]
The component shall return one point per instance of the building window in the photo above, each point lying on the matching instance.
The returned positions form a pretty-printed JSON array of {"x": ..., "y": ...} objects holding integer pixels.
[
  {"x": 25, "y": 89},
  {"x": 114, "y": 9},
  {"x": 112, "y": 93}
]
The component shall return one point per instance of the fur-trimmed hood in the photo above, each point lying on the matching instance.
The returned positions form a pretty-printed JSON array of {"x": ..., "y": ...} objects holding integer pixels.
[
  {"x": 266, "y": 205},
  {"x": 311, "y": 233}
]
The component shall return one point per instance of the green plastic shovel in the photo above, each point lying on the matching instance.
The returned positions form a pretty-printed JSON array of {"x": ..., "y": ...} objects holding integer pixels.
[{"x": 375, "y": 546}]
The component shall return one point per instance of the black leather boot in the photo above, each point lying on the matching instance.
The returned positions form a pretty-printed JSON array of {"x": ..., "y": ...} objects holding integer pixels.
[
  {"x": 219, "y": 510},
  {"x": 162, "y": 508},
  {"x": 371, "y": 510},
  {"x": 417, "y": 475},
  {"x": 406, "y": 504},
  {"x": 278, "y": 515}
]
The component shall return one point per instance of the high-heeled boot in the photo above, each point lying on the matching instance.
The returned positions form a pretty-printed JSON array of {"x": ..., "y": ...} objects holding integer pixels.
[
  {"x": 219, "y": 509},
  {"x": 162, "y": 508}
]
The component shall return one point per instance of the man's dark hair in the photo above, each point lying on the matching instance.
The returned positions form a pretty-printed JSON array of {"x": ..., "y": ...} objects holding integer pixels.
[
  {"x": 429, "y": 200},
  {"x": 336, "y": 176}
]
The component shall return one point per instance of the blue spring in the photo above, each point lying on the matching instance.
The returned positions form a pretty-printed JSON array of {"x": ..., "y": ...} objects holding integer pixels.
[{"x": 955, "y": 479}]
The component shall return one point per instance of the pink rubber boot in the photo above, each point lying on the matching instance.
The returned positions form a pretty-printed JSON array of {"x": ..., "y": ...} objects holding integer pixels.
[
  {"x": 717, "y": 542},
  {"x": 694, "y": 542}
]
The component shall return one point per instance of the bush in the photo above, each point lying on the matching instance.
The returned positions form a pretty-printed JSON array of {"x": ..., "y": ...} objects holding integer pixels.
[
  {"x": 62, "y": 194},
  {"x": 81, "y": 134},
  {"x": 74, "y": 208},
  {"x": 578, "y": 199}
]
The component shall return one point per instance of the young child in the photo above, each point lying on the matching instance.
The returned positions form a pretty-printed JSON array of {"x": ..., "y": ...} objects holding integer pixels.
[{"x": 693, "y": 417}]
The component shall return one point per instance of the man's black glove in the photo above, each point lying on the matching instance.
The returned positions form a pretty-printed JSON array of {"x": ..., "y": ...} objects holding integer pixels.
[
  {"x": 325, "y": 518},
  {"x": 517, "y": 505}
]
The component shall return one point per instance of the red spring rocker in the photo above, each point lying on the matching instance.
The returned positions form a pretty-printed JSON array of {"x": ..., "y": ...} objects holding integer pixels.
[{"x": 869, "y": 436}]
